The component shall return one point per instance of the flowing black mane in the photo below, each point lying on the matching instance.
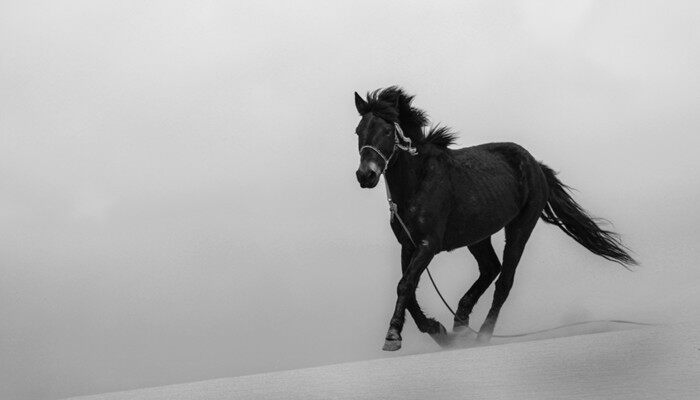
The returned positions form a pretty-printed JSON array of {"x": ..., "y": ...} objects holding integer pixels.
[
  {"x": 441, "y": 136},
  {"x": 394, "y": 105}
]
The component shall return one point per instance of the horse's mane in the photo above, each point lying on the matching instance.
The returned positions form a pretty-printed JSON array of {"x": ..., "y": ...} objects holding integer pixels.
[{"x": 394, "y": 105}]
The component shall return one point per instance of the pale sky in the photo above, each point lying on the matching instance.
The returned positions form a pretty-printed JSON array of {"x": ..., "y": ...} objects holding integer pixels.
[{"x": 179, "y": 199}]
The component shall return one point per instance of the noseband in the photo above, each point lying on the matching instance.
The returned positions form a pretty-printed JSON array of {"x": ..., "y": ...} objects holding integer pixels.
[{"x": 398, "y": 137}]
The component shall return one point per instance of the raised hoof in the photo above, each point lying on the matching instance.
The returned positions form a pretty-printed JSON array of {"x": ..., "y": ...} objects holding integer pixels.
[{"x": 391, "y": 345}]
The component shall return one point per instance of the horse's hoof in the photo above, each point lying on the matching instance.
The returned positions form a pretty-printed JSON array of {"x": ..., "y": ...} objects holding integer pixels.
[
  {"x": 391, "y": 345},
  {"x": 432, "y": 327},
  {"x": 460, "y": 326},
  {"x": 441, "y": 330},
  {"x": 483, "y": 338},
  {"x": 442, "y": 338},
  {"x": 460, "y": 329}
]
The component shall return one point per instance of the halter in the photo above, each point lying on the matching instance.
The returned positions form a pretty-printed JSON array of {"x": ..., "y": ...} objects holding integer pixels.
[
  {"x": 408, "y": 147},
  {"x": 398, "y": 137}
]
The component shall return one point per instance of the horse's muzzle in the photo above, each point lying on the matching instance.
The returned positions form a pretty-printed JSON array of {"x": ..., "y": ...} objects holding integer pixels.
[{"x": 368, "y": 177}]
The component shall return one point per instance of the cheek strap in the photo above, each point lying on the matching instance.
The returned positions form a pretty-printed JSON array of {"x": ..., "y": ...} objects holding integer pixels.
[
  {"x": 376, "y": 150},
  {"x": 398, "y": 137}
]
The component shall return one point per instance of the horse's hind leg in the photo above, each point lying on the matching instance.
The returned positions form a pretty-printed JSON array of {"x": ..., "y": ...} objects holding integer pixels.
[
  {"x": 517, "y": 234},
  {"x": 489, "y": 267},
  {"x": 424, "y": 323}
]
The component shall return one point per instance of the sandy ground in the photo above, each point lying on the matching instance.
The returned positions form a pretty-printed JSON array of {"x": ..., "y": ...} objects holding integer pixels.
[{"x": 661, "y": 362}]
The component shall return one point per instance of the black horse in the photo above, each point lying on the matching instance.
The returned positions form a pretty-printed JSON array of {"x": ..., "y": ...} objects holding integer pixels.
[{"x": 450, "y": 198}]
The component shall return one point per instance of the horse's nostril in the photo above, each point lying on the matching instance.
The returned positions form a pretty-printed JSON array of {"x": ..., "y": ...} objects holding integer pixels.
[
  {"x": 360, "y": 175},
  {"x": 366, "y": 175},
  {"x": 366, "y": 178}
]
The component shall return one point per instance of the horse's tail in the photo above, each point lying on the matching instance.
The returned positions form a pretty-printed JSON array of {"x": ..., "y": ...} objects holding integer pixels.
[{"x": 562, "y": 211}]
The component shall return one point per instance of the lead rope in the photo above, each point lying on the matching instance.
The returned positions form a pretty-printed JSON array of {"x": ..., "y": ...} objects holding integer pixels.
[{"x": 393, "y": 209}]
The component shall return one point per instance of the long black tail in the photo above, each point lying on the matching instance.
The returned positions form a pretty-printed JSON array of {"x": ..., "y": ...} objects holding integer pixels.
[{"x": 563, "y": 211}]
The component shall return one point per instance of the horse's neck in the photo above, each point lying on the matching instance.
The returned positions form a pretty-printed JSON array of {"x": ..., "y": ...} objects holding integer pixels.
[{"x": 402, "y": 177}]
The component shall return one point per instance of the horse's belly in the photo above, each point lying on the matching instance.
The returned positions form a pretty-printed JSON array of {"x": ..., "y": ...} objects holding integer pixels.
[{"x": 465, "y": 227}]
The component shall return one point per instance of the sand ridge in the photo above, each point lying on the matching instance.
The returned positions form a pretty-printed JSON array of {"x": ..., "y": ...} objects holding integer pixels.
[{"x": 660, "y": 362}]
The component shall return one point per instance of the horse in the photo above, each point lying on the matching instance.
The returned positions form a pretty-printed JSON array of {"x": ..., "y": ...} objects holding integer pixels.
[{"x": 443, "y": 199}]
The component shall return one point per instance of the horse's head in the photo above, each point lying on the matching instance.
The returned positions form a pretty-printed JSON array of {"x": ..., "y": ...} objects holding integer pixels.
[{"x": 376, "y": 138}]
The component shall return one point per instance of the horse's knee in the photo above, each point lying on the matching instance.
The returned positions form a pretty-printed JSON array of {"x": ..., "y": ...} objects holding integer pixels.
[
  {"x": 503, "y": 286},
  {"x": 405, "y": 288},
  {"x": 505, "y": 283},
  {"x": 492, "y": 272}
]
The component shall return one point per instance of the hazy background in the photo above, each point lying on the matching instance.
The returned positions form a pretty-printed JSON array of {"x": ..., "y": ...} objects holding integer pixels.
[{"x": 177, "y": 190}]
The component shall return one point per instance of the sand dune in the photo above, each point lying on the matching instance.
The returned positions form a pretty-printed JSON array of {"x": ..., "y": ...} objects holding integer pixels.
[{"x": 661, "y": 362}]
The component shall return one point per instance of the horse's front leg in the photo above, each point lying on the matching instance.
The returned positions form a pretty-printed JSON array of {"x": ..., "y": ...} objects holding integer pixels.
[
  {"x": 424, "y": 323},
  {"x": 406, "y": 290}
]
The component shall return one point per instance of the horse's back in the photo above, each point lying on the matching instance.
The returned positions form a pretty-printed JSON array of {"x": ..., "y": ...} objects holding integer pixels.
[
  {"x": 510, "y": 152},
  {"x": 501, "y": 158},
  {"x": 491, "y": 183}
]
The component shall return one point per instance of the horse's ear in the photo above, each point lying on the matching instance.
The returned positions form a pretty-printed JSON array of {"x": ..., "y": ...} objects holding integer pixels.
[{"x": 361, "y": 104}]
